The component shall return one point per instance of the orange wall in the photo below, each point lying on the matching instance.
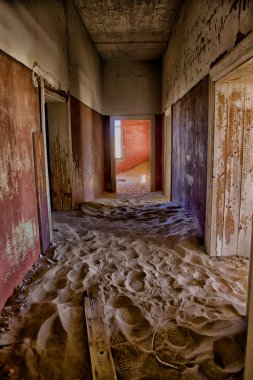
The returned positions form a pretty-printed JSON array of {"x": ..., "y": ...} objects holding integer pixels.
[{"x": 136, "y": 144}]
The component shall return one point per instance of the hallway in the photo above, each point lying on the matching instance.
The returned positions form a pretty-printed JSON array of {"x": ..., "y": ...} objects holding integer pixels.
[{"x": 163, "y": 298}]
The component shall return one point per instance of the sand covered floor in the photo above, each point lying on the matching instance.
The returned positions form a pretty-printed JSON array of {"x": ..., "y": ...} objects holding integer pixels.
[
  {"x": 171, "y": 311},
  {"x": 136, "y": 179}
]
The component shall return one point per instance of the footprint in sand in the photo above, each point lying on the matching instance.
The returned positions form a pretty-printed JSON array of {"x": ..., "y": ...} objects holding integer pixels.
[
  {"x": 130, "y": 318},
  {"x": 130, "y": 253},
  {"x": 135, "y": 281},
  {"x": 119, "y": 301}
]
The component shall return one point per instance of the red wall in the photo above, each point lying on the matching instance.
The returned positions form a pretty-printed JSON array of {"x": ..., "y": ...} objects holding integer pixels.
[
  {"x": 136, "y": 144},
  {"x": 88, "y": 152},
  {"x": 19, "y": 117}
]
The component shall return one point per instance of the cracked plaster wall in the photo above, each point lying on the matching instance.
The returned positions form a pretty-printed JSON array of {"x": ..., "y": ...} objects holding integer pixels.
[{"x": 205, "y": 31}]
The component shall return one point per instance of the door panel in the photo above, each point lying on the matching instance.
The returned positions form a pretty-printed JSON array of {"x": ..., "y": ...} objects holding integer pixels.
[{"x": 232, "y": 168}]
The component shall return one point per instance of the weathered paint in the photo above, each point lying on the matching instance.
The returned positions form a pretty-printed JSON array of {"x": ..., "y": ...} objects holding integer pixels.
[
  {"x": 88, "y": 152},
  {"x": 246, "y": 208},
  {"x": 135, "y": 144},
  {"x": 59, "y": 151},
  {"x": 52, "y": 35},
  {"x": 19, "y": 117},
  {"x": 219, "y": 165},
  {"x": 233, "y": 163},
  {"x": 41, "y": 188},
  {"x": 204, "y": 32},
  {"x": 189, "y": 153},
  {"x": 234, "y": 135},
  {"x": 158, "y": 152}
]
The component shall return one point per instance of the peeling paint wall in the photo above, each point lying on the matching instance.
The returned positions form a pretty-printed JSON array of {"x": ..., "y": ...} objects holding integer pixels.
[
  {"x": 131, "y": 87},
  {"x": 19, "y": 117},
  {"x": 51, "y": 35},
  {"x": 189, "y": 151},
  {"x": 205, "y": 31},
  {"x": 135, "y": 144},
  {"x": 88, "y": 152}
]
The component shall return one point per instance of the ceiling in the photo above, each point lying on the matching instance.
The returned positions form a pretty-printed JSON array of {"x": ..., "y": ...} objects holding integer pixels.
[{"x": 131, "y": 29}]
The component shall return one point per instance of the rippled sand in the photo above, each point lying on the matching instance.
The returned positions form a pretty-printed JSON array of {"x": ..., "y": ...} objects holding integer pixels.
[{"x": 171, "y": 311}]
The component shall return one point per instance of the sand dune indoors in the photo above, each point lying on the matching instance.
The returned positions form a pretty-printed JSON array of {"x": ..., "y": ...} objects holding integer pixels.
[{"x": 171, "y": 312}]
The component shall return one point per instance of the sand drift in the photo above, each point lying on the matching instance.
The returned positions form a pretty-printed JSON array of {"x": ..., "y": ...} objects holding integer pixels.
[{"x": 171, "y": 311}]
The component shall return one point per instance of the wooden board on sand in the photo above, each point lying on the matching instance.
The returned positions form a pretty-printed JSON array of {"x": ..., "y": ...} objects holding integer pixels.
[{"x": 100, "y": 352}]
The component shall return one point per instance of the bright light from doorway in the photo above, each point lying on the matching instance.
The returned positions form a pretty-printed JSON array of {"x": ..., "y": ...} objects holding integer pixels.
[
  {"x": 143, "y": 178},
  {"x": 118, "y": 139}
]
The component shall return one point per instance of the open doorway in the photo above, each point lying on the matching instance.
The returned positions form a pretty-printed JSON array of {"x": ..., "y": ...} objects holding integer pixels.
[
  {"x": 53, "y": 161},
  {"x": 58, "y": 152},
  {"x": 132, "y": 155}
]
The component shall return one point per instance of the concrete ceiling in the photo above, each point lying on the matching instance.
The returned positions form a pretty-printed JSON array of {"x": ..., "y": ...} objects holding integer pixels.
[{"x": 132, "y": 29}]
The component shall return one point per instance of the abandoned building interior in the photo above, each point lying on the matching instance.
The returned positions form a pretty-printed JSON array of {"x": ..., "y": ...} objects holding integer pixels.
[{"x": 126, "y": 189}]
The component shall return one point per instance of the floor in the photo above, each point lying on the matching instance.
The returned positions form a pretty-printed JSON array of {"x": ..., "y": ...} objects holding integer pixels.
[
  {"x": 171, "y": 311},
  {"x": 136, "y": 180}
]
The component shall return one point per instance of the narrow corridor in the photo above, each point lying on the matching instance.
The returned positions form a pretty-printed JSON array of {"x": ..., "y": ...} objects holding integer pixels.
[{"x": 171, "y": 311}]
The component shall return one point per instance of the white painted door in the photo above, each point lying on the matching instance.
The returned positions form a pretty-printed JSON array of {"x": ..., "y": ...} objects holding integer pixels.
[{"x": 232, "y": 169}]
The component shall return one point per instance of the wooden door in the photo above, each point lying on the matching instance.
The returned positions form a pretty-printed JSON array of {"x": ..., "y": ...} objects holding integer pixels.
[
  {"x": 233, "y": 169},
  {"x": 40, "y": 175}
]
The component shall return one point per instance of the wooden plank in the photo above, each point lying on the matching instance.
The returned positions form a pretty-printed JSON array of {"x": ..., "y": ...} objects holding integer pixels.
[
  {"x": 246, "y": 209},
  {"x": 219, "y": 167},
  {"x": 100, "y": 353},
  {"x": 233, "y": 168},
  {"x": 41, "y": 188}
]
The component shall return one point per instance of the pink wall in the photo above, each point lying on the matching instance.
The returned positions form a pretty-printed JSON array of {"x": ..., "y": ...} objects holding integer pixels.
[
  {"x": 19, "y": 117},
  {"x": 136, "y": 144},
  {"x": 88, "y": 152}
]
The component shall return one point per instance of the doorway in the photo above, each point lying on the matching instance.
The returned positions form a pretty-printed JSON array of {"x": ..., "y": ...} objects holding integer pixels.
[
  {"x": 58, "y": 152},
  {"x": 233, "y": 163},
  {"x": 132, "y": 155}
]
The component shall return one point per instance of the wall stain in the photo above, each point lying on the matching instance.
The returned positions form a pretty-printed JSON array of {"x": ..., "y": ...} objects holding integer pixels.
[{"x": 22, "y": 237}]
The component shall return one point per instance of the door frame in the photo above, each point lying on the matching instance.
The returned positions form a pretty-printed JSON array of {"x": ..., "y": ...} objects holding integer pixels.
[
  {"x": 152, "y": 147},
  {"x": 238, "y": 56},
  {"x": 45, "y": 92}
]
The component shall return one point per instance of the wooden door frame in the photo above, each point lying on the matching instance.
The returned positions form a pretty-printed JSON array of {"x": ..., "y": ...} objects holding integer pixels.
[
  {"x": 43, "y": 130},
  {"x": 45, "y": 92},
  {"x": 238, "y": 56},
  {"x": 55, "y": 98}
]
